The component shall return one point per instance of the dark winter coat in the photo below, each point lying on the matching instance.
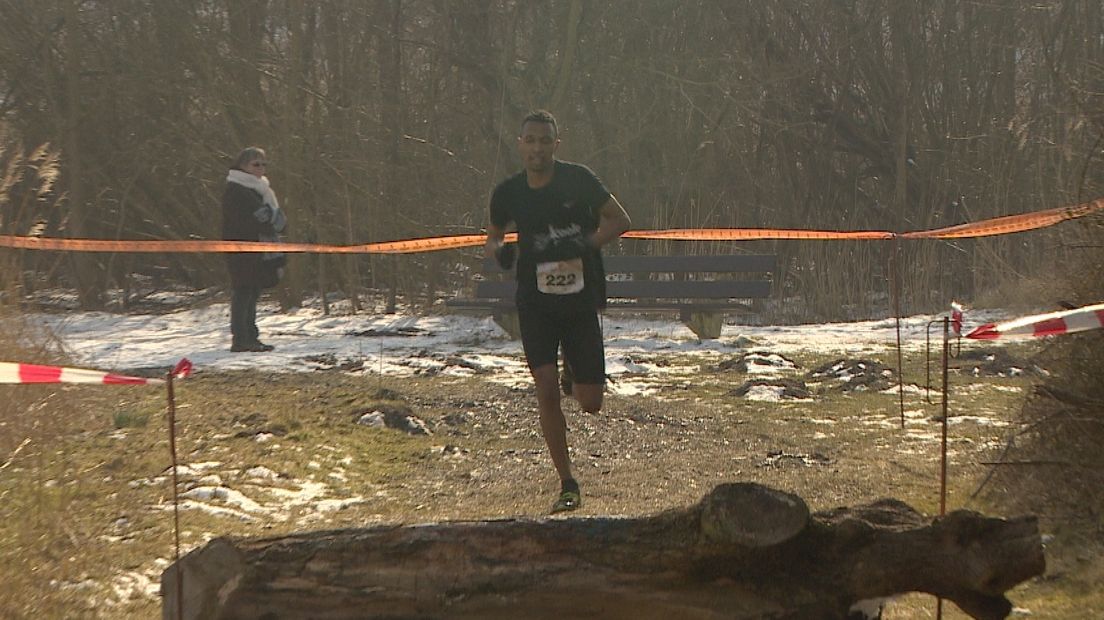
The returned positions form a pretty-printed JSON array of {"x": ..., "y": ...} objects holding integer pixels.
[{"x": 239, "y": 223}]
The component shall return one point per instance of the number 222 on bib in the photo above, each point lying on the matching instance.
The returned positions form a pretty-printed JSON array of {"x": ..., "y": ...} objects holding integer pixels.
[{"x": 560, "y": 277}]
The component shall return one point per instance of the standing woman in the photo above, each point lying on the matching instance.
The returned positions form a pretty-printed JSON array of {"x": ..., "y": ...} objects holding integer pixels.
[{"x": 250, "y": 212}]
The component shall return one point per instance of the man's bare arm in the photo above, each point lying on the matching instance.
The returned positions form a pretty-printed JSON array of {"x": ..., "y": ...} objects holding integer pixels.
[{"x": 613, "y": 222}]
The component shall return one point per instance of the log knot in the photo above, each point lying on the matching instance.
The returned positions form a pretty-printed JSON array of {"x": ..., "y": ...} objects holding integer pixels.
[{"x": 751, "y": 515}]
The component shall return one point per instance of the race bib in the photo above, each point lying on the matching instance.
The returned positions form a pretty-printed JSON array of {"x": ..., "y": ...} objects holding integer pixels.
[{"x": 560, "y": 277}]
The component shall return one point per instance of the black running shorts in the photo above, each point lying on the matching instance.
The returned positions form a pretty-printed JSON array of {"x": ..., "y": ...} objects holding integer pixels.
[{"x": 544, "y": 330}]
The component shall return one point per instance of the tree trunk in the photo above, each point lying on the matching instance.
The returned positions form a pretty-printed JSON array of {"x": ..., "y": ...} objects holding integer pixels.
[
  {"x": 744, "y": 551},
  {"x": 392, "y": 116},
  {"x": 86, "y": 269}
]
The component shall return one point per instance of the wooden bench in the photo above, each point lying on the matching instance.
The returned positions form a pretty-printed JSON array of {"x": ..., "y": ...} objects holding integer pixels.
[{"x": 702, "y": 289}]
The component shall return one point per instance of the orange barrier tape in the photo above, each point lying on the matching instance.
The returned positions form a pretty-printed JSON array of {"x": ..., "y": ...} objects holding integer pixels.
[
  {"x": 1010, "y": 223},
  {"x": 733, "y": 234},
  {"x": 408, "y": 246},
  {"x": 996, "y": 226},
  {"x": 110, "y": 245}
]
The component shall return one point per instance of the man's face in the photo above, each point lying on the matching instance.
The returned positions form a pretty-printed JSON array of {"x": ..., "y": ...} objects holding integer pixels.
[{"x": 537, "y": 145}]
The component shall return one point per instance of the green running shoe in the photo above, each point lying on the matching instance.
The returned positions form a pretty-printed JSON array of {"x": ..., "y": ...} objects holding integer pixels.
[{"x": 568, "y": 500}]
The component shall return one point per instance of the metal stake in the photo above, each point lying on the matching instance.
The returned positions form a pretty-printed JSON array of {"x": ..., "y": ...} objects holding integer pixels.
[
  {"x": 895, "y": 292},
  {"x": 176, "y": 500}
]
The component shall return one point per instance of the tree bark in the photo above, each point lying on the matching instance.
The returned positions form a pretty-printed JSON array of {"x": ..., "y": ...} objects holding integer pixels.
[
  {"x": 87, "y": 270},
  {"x": 744, "y": 551}
]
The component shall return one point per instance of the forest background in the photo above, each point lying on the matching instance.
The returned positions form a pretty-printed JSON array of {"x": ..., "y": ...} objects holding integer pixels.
[{"x": 392, "y": 119}]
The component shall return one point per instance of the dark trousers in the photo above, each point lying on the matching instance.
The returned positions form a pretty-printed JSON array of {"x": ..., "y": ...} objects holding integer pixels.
[{"x": 243, "y": 315}]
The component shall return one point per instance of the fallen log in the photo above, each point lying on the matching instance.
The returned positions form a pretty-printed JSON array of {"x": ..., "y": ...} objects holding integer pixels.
[{"x": 744, "y": 551}]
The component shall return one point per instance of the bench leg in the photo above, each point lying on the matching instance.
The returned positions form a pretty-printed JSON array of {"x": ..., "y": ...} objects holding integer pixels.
[
  {"x": 508, "y": 321},
  {"x": 705, "y": 325}
]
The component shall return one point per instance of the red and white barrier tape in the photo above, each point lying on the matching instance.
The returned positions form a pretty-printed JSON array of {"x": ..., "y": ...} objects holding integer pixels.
[
  {"x": 1064, "y": 322},
  {"x": 14, "y": 372}
]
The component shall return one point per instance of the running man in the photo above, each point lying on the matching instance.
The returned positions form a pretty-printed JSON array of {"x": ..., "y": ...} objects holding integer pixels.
[{"x": 563, "y": 215}]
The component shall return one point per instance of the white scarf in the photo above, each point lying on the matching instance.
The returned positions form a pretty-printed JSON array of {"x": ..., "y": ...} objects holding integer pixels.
[{"x": 262, "y": 187}]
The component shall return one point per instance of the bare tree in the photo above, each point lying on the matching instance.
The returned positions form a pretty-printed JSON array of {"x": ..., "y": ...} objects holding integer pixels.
[{"x": 395, "y": 118}]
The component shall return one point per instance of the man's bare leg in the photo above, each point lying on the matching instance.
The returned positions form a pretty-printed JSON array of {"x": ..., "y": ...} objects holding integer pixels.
[
  {"x": 589, "y": 396},
  {"x": 553, "y": 424}
]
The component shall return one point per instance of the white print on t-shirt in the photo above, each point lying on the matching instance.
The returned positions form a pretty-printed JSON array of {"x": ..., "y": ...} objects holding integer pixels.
[
  {"x": 542, "y": 242},
  {"x": 562, "y": 277}
]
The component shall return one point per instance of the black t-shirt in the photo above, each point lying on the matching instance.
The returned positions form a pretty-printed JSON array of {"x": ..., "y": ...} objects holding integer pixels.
[{"x": 552, "y": 221}]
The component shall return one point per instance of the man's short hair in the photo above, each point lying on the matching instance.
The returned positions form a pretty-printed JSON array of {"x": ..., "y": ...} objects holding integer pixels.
[{"x": 541, "y": 116}]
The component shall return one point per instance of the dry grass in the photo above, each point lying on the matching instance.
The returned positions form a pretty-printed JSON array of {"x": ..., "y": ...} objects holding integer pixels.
[
  {"x": 37, "y": 424},
  {"x": 84, "y": 525}
]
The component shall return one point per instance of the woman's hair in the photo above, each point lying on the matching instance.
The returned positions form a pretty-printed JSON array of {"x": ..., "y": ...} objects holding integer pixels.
[{"x": 248, "y": 154}]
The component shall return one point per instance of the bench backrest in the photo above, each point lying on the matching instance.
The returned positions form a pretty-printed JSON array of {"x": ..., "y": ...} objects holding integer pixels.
[{"x": 662, "y": 277}]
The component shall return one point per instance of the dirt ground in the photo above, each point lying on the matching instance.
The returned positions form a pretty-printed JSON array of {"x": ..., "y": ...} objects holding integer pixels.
[
  {"x": 478, "y": 455},
  {"x": 641, "y": 454}
]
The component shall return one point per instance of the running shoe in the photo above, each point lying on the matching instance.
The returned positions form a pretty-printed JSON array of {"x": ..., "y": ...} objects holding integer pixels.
[{"x": 567, "y": 501}]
